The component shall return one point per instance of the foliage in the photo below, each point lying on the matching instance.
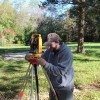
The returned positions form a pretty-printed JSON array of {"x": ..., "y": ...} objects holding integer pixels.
[
  {"x": 65, "y": 28},
  {"x": 49, "y": 25},
  {"x": 7, "y": 15},
  {"x": 92, "y": 26},
  {"x": 14, "y": 22},
  {"x": 70, "y": 26},
  {"x": 18, "y": 21},
  {"x": 27, "y": 35}
]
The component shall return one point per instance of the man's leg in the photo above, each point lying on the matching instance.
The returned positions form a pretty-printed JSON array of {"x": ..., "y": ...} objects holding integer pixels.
[
  {"x": 51, "y": 95},
  {"x": 65, "y": 94},
  {"x": 62, "y": 95}
]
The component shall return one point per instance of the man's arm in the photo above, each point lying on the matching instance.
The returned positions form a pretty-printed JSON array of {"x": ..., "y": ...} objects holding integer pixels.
[
  {"x": 64, "y": 64},
  {"x": 45, "y": 55}
]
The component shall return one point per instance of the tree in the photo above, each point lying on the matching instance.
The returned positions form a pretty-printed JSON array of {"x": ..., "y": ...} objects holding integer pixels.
[
  {"x": 28, "y": 17},
  {"x": 81, "y": 24},
  {"x": 81, "y": 10},
  {"x": 7, "y": 24},
  {"x": 70, "y": 27},
  {"x": 94, "y": 17},
  {"x": 49, "y": 25}
]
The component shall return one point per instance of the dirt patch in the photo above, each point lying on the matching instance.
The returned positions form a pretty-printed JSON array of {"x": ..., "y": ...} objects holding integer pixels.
[
  {"x": 15, "y": 56},
  {"x": 2, "y": 96},
  {"x": 93, "y": 86},
  {"x": 79, "y": 87},
  {"x": 44, "y": 96},
  {"x": 76, "y": 90}
]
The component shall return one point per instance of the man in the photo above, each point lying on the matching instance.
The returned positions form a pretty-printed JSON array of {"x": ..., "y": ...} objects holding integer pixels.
[{"x": 57, "y": 61}]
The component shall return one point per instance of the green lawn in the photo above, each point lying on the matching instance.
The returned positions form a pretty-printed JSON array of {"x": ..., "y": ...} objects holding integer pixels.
[{"x": 86, "y": 66}]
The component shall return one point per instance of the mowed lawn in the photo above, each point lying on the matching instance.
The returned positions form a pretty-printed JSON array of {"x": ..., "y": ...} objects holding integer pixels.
[{"x": 86, "y": 67}]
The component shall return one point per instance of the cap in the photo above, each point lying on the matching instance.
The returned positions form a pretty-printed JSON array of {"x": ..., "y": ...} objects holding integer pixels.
[{"x": 52, "y": 37}]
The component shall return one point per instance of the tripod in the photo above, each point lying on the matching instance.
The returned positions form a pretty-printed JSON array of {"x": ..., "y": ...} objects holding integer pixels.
[{"x": 34, "y": 71}]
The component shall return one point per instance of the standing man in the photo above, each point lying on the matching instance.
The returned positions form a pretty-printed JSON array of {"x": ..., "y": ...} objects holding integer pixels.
[{"x": 57, "y": 61}]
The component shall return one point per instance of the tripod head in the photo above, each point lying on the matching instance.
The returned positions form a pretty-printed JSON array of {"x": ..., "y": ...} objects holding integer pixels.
[
  {"x": 35, "y": 48},
  {"x": 36, "y": 45}
]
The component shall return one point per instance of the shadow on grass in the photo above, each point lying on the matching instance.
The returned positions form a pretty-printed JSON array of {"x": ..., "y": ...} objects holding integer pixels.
[
  {"x": 11, "y": 79},
  {"x": 87, "y": 47},
  {"x": 13, "y": 50},
  {"x": 12, "y": 68},
  {"x": 93, "y": 53},
  {"x": 9, "y": 91},
  {"x": 92, "y": 47},
  {"x": 12, "y": 87},
  {"x": 84, "y": 60}
]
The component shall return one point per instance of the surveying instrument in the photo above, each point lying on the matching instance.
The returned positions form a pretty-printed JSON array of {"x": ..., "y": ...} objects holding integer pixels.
[{"x": 33, "y": 56}]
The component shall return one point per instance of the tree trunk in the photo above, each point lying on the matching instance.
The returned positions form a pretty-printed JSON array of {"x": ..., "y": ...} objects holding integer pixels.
[{"x": 81, "y": 26}]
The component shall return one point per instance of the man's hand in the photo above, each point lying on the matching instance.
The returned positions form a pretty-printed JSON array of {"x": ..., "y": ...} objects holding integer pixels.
[{"x": 42, "y": 61}]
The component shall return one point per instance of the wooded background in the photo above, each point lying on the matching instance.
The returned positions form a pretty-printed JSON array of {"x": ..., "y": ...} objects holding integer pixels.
[{"x": 74, "y": 20}]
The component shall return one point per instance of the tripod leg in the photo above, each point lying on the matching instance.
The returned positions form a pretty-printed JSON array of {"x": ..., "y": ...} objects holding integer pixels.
[
  {"x": 36, "y": 79},
  {"x": 50, "y": 84},
  {"x": 21, "y": 92},
  {"x": 31, "y": 95}
]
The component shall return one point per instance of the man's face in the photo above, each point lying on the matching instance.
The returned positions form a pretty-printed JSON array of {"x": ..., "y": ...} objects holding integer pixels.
[{"x": 53, "y": 45}]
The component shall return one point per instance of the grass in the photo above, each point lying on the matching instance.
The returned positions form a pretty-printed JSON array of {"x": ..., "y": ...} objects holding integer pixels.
[
  {"x": 86, "y": 67},
  {"x": 13, "y": 49}
]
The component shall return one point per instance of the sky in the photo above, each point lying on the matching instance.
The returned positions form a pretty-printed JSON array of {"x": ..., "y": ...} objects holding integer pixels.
[{"x": 25, "y": 5}]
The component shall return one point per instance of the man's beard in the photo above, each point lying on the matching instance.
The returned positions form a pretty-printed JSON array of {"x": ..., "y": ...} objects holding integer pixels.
[{"x": 54, "y": 49}]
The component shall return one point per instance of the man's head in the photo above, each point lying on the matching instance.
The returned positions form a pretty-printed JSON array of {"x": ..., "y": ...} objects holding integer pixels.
[{"x": 53, "y": 41}]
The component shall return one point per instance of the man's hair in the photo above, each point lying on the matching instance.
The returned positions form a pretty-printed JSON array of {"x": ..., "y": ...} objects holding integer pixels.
[{"x": 53, "y": 37}]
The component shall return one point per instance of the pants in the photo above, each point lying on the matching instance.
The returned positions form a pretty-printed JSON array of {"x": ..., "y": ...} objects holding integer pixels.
[{"x": 62, "y": 95}]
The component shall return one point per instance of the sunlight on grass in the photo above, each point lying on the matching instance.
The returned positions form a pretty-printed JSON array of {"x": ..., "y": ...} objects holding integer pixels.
[{"x": 86, "y": 67}]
